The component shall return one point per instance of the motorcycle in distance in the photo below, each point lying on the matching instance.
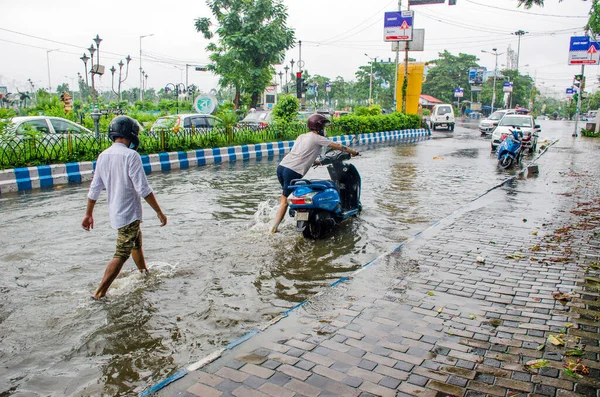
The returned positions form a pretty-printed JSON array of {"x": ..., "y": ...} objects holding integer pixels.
[
  {"x": 318, "y": 205},
  {"x": 510, "y": 148}
]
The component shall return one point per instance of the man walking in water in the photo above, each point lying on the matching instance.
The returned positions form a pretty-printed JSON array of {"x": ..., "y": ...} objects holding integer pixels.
[
  {"x": 298, "y": 161},
  {"x": 119, "y": 170}
]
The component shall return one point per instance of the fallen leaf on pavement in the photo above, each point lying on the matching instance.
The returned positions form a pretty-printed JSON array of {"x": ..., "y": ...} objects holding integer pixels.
[
  {"x": 556, "y": 341},
  {"x": 472, "y": 316},
  {"x": 535, "y": 233},
  {"x": 514, "y": 256},
  {"x": 540, "y": 363},
  {"x": 541, "y": 347},
  {"x": 574, "y": 353},
  {"x": 568, "y": 325},
  {"x": 440, "y": 309},
  {"x": 561, "y": 296},
  {"x": 430, "y": 293}
]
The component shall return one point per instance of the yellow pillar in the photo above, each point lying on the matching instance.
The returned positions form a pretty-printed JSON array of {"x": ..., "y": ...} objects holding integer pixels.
[{"x": 413, "y": 90}]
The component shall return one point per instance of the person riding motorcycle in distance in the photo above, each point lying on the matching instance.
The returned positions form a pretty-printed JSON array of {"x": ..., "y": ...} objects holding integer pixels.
[{"x": 302, "y": 156}]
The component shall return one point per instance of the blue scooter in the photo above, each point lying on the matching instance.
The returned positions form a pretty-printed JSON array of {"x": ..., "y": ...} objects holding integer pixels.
[
  {"x": 318, "y": 205},
  {"x": 510, "y": 148}
]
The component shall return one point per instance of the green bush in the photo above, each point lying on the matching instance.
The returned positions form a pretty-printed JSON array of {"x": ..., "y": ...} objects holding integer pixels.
[
  {"x": 353, "y": 124},
  {"x": 372, "y": 110},
  {"x": 286, "y": 109}
]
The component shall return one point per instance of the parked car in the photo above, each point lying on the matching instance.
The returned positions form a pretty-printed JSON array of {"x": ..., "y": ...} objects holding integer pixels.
[
  {"x": 524, "y": 122},
  {"x": 201, "y": 122},
  {"x": 486, "y": 126},
  {"x": 51, "y": 126},
  {"x": 442, "y": 116},
  {"x": 257, "y": 120}
]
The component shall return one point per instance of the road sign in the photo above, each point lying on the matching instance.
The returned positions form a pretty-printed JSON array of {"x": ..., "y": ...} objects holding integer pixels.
[
  {"x": 459, "y": 92},
  {"x": 508, "y": 86},
  {"x": 205, "y": 104},
  {"x": 398, "y": 26},
  {"x": 583, "y": 51},
  {"x": 476, "y": 75},
  {"x": 327, "y": 86},
  {"x": 570, "y": 91}
]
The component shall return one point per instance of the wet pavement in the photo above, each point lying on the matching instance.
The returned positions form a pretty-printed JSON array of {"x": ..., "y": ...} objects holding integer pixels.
[
  {"x": 467, "y": 308},
  {"x": 217, "y": 273}
]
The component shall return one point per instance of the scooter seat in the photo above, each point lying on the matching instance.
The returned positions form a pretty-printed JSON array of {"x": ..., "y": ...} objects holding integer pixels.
[{"x": 325, "y": 184}]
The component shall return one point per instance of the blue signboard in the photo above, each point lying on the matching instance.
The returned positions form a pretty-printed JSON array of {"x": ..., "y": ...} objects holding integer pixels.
[
  {"x": 583, "y": 51},
  {"x": 459, "y": 92},
  {"x": 570, "y": 91},
  {"x": 507, "y": 86},
  {"x": 398, "y": 26}
]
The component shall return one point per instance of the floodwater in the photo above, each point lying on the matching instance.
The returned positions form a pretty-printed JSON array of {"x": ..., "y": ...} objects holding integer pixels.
[{"x": 216, "y": 272}]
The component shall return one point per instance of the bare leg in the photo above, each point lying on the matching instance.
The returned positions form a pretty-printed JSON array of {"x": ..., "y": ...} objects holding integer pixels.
[
  {"x": 140, "y": 261},
  {"x": 283, "y": 205},
  {"x": 110, "y": 274}
]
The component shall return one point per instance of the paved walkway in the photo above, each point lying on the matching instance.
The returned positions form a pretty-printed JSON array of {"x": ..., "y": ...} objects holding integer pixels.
[{"x": 458, "y": 311}]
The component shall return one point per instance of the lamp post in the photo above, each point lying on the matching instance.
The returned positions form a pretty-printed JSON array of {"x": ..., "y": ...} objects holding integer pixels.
[
  {"x": 495, "y": 53},
  {"x": 85, "y": 59},
  {"x": 113, "y": 70},
  {"x": 292, "y": 63},
  {"x": 287, "y": 88},
  {"x": 142, "y": 70},
  {"x": 281, "y": 80},
  {"x": 94, "y": 70},
  {"x": 371, "y": 79},
  {"x": 48, "y": 62},
  {"x": 518, "y": 33}
]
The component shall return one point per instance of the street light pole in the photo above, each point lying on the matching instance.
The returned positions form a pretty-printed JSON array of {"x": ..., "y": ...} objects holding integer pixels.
[
  {"x": 142, "y": 70},
  {"x": 48, "y": 62},
  {"x": 371, "y": 79},
  {"x": 287, "y": 88},
  {"x": 518, "y": 33},
  {"x": 494, "y": 52}
]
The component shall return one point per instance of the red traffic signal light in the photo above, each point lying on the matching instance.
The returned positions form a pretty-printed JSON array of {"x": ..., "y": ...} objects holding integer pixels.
[{"x": 298, "y": 74}]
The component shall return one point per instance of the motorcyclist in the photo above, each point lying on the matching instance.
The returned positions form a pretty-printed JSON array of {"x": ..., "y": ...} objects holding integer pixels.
[{"x": 302, "y": 156}]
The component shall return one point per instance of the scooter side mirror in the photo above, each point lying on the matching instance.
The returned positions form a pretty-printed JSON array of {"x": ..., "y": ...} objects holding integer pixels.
[{"x": 538, "y": 126}]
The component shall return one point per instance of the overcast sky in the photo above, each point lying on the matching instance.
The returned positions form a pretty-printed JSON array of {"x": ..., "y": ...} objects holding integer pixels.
[{"x": 335, "y": 36}]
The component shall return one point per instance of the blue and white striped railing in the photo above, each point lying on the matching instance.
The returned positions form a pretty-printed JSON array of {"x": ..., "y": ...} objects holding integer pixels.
[{"x": 44, "y": 176}]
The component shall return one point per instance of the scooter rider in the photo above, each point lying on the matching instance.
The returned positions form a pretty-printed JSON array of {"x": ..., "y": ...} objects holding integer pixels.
[{"x": 302, "y": 156}]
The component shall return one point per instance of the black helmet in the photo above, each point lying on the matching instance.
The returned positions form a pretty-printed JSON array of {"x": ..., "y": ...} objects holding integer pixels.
[
  {"x": 124, "y": 127},
  {"x": 317, "y": 122}
]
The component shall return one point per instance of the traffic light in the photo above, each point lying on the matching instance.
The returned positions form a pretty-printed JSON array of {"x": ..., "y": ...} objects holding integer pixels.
[
  {"x": 299, "y": 85},
  {"x": 575, "y": 96},
  {"x": 577, "y": 80}
]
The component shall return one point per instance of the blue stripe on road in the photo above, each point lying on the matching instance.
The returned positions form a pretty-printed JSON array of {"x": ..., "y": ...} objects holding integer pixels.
[
  {"x": 165, "y": 162},
  {"x": 45, "y": 175},
  {"x": 178, "y": 375},
  {"x": 145, "y": 163},
  {"x": 73, "y": 174},
  {"x": 242, "y": 339},
  {"x": 183, "y": 160},
  {"x": 217, "y": 155},
  {"x": 23, "y": 178}
]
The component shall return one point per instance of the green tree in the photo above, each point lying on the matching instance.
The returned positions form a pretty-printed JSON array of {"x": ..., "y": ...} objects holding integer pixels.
[
  {"x": 286, "y": 109},
  {"x": 252, "y": 36},
  {"x": 450, "y": 71}
]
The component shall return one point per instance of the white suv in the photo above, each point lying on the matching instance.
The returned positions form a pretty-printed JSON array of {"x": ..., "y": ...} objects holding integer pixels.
[
  {"x": 442, "y": 116},
  {"x": 487, "y": 125}
]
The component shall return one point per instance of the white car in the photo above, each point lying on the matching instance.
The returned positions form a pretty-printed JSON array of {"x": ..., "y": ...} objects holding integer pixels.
[
  {"x": 53, "y": 126},
  {"x": 442, "y": 116},
  {"x": 487, "y": 125},
  {"x": 200, "y": 122},
  {"x": 511, "y": 121}
]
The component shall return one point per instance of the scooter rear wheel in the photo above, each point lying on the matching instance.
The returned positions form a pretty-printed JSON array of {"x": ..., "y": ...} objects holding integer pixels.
[{"x": 318, "y": 225}]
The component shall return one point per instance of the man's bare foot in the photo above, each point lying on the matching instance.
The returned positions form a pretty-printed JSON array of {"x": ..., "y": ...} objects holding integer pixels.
[{"x": 274, "y": 229}]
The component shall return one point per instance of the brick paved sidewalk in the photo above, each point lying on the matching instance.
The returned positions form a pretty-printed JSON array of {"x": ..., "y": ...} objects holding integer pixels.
[{"x": 456, "y": 312}]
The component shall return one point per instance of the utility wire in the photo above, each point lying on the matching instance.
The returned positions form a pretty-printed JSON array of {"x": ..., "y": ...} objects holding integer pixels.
[{"x": 525, "y": 12}]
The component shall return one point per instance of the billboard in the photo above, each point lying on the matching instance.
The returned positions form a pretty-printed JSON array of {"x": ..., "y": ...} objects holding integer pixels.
[
  {"x": 476, "y": 75},
  {"x": 398, "y": 26},
  {"x": 416, "y": 44},
  {"x": 583, "y": 51}
]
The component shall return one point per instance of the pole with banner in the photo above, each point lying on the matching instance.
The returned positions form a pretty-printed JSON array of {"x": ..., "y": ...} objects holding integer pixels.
[
  {"x": 582, "y": 51},
  {"x": 458, "y": 93},
  {"x": 397, "y": 60}
]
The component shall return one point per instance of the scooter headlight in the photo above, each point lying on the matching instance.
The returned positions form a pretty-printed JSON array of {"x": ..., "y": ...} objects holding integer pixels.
[{"x": 301, "y": 200}]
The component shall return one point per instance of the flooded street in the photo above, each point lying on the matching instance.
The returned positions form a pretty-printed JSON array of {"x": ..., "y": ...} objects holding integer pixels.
[{"x": 216, "y": 272}]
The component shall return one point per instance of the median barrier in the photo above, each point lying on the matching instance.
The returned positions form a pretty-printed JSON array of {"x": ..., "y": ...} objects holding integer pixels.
[{"x": 47, "y": 176}]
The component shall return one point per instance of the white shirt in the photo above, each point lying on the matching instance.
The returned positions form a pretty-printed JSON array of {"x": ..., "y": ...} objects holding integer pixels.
[
  {"x": 304, "y": 152},
  {"x": 119, "y": 170}
]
